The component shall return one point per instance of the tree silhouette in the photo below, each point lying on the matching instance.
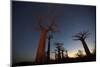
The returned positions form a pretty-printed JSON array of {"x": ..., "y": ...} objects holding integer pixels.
[
  {"x": 82, "y": 36},
  {"x": 44, "y": 30},
  {"x": 80, "y": 53},
  {"x": 48, "y": 50},
  {"x": 66, "y": 56},
  {"x": 62, "y": 52},
  {"x": 59, "y": 46}
]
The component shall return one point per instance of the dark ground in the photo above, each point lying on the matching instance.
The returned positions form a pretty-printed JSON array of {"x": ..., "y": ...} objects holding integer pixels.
[{"x": 67, "y": 60}]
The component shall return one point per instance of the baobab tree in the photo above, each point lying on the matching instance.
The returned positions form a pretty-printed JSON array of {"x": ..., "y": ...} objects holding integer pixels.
[
  {"x": 58, "y": 46},
  {"x": 66, "y": 56},
  {"x": 44, "y": 30},
  {"x": 48, "y": 50},
  {"x": 62, "y": 52},
  {"x": 82, "y": 36}
]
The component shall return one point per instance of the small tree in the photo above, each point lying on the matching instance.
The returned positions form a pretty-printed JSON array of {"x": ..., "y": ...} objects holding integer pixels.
[
  {"x": 66, "y": 54},
  {"x": 80, "y": 53},
  {"x": 58, "y": 46},
  {"x": 62, "y": 52}
]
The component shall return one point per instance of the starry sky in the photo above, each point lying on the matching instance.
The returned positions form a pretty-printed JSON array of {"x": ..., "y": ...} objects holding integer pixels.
[{"x": 70, "y": 19}]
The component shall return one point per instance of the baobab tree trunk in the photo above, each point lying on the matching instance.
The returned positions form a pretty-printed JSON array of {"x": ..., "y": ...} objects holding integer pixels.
[
  {"x": 62, "y": 54},
  {"x": 40, "y": 55},
  {"x": 86, "y": 47},
  {"x": 62, "y": 51},
  {"x": 66, "y": 54},
  {"x": 59, "y": 55},
  {"x": 48, "y": 51}
]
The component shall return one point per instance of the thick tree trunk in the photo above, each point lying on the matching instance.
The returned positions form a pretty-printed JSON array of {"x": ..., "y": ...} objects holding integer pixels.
[
  {"x": 40, "y": 55},
  {"x": 86, "y": 48}
]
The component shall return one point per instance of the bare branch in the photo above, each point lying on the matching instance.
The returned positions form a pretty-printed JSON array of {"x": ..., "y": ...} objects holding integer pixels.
[
  {"x": 53, "y": 25},
  {"x": 40, "y": 19},
  {"x": 76, "y": 39},
  {"x": 86, "y": 34},
  {"x": 81, "y": 35},
  {"x": 59, "y": 45},
  {"x": 77, "y": 36}
]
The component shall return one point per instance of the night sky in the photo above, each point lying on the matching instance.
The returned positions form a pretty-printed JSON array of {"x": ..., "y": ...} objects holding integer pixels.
[{"x": 70, "y": 19}]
